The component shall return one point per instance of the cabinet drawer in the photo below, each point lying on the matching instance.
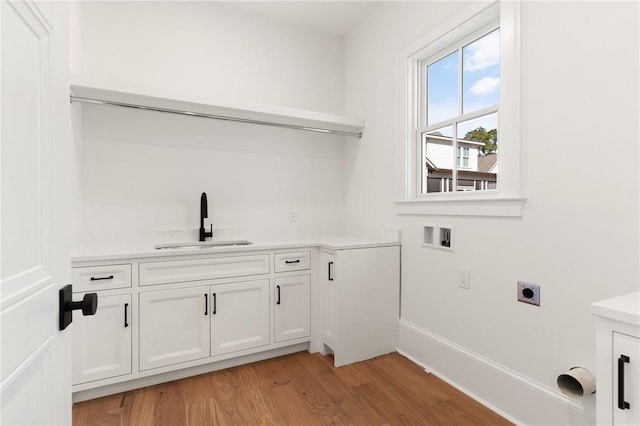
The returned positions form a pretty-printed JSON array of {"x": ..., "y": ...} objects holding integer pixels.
[
  {"x": 294, "y": 261},
  {"x": 93, "y": 278},
  {"x": 151, "y": 273}
]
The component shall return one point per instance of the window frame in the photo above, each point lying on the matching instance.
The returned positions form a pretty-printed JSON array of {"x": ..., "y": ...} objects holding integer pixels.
[
  {"x": 421, "y": 107},
  {"x": 467, "y": 24}
]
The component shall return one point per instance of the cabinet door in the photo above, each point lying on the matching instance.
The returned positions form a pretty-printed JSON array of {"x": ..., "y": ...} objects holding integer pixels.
[
  {"x": 626, "y": 360},
  {"x": 292, "y": 307},
  {"x": 367, "y": 303},
  {"x": 174, "y": 326},
  {"x": 239, "y": 316},
  {"x": 102, "y": 342},
  {"x": 328, "y": 299}
]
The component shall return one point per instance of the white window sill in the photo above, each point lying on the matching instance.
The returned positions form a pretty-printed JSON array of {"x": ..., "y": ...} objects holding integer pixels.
[{"x": 462, "y": 206}]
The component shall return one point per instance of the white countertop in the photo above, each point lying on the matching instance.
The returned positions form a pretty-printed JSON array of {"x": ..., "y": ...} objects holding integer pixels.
[
  {"x": 147, "y": 249},
  {"x": 625, "y": 308}
]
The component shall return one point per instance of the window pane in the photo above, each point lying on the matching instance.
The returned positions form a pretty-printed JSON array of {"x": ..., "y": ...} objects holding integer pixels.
[
  {"x": 437, "y": 156},
  {"x": 479, "y": 138},
  {"x": 442, "y": 89},
  {"x": 481, "y": 73}
]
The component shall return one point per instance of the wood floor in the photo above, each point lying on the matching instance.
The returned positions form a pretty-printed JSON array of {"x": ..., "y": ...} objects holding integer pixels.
[{"x": 298, "y": 389}]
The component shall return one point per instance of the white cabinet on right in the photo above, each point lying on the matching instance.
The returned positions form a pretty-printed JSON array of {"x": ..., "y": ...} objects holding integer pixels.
[
  {"x": 360, "y": 302},
  {"x": 618, "y": 360}
]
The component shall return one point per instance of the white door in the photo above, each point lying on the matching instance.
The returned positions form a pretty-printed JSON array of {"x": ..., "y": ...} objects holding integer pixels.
[
  {"x": 292, "y": 308},
  {"x": 239, "y": 316},
  {"x": 626, "y": 365},
  {"x": 102, "y": 342},
  {"x": 174, "y": 326},
  {"x": 35, "y": 383}
]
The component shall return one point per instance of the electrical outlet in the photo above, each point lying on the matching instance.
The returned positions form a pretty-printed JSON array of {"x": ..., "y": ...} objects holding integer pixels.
[
  {"x": 464, "y": 277},
  {"x": 293, "y": 216},
  {"x": 529, "y": 293}
]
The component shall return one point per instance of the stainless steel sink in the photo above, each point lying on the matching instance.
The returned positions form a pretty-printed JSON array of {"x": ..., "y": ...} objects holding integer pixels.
[{"x": 203, "y": 244}]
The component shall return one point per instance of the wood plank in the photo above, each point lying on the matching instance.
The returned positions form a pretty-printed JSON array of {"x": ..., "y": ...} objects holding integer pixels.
[{"x": 297, "y": 389}]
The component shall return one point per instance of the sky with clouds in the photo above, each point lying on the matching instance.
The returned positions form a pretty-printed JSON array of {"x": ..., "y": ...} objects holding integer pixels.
[{"x": 480, "y": 81}]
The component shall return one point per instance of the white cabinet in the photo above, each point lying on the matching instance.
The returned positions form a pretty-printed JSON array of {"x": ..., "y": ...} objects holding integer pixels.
[
  {"x": 187, "y": 324},
  {"x": 328, "y": 305},
  {"x": 292, "y": 261},
  {"x": 102, "y": 342},
  {"x": 186, "y": 311},
  {"x": 292, "y": 307},
  {"x": 626, "y": 379},
  {"x": 174, "y": 326},
  {"x": 362, "y": 303},
  {"x": 101, "y": 277},
  {"x": 239, "y": 316},
  {"x": 618, "y": 360}
]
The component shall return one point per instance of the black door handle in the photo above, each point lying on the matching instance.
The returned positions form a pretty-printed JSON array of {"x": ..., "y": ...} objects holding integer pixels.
[
  {"x": 292, "y": 261},
  {"x": 215, "y": 304},
  {"x": 278, "y": 289},
  {"x": 126, "y": 320},
  {"x": 330, "y": 271},
  {"x": 622, "y": 404},
  {"x": 206, "y": 303},
  {"x": 66, "y": 305}
]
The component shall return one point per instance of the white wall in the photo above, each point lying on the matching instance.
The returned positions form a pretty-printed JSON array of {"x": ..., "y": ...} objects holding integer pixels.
[
  {"x": 211, "y": 48},
  {"x": 577, "y": 237},
  {"x": 143, "y": 172}
]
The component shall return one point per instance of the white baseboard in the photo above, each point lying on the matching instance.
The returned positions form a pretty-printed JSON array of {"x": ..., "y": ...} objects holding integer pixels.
[{"x": 510, "y": 394}]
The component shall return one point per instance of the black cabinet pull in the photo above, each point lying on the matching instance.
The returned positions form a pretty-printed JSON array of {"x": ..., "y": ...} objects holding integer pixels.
[
  {"x": 126, "y": 320},
  {"x": 206, "y": 303},
  {"x": 278, "y": 289},
  {"x": 215, "y": 304},
  {"x": 292, "y": 261},
  {"x": 330, "y": 271},
  {"x": 622, "y": 404},
  {"x": 110, "y": 277}
]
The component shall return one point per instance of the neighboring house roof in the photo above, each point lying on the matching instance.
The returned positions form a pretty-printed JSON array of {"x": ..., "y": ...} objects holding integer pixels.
[
  {"x": 437, "y": 137},
  {"x": 486, "y": 163},
  {"x": 430, "y": 165}
]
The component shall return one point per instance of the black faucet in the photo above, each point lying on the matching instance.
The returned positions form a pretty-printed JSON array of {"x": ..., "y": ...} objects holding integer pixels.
[{"x": 203, "y": 214}]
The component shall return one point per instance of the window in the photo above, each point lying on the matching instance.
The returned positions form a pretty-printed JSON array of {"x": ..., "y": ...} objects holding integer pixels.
[
  {"x": 463, "y": 156},
  {"x": 463, "y": 90},
  {"x": 458, "y": 99}
]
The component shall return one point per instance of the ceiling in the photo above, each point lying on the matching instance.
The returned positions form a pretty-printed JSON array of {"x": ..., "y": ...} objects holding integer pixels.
[{"x": 333, "y": 17}]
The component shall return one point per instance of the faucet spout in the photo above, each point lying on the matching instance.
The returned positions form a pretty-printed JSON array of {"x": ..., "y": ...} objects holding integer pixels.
[{"x": 203, "y": 215}]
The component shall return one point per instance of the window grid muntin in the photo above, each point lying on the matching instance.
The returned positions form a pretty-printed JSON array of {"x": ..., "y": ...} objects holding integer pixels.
[{"x": 422, "y": 109}]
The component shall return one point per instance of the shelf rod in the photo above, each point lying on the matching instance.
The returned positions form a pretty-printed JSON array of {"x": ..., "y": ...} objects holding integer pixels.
[{"x": 215, "y": 117}]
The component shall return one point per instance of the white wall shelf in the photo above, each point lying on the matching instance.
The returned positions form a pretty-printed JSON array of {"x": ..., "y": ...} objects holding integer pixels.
[{"x": 264, "y": 115}]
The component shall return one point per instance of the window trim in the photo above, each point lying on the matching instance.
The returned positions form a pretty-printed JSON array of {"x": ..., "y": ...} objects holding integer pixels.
[{"x": 469, "y": 20}]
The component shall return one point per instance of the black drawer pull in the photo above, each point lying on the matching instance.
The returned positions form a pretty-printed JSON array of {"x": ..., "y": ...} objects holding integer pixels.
[
  {"x": 206, "y": 303},
  {"x": 126, "y": 320},
  {"x": 330, "y": 272},
  {"x": 622, "y": 404},
  {"x": 278, "y": 288},
  {"x": 215, "y": 304},
  {"x": 292, "y": 261},
  {"x": 110, "y": 277}
]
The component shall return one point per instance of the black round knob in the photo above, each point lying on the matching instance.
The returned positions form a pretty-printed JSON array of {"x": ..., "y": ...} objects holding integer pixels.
[{"x": 528, "y": 293}]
